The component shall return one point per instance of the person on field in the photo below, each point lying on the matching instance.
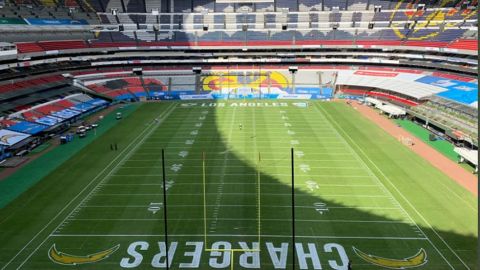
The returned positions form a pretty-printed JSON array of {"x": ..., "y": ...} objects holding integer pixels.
[{"x": 240, "y": 126}]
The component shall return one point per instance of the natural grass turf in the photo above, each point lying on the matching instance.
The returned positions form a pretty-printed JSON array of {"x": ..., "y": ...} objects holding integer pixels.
[{"x": 372, "y": 186}]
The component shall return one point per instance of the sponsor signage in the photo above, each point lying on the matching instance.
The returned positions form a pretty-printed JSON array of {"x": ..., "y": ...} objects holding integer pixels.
[
  {"x": 9, "y": 138},
  {"x": 375, "y": 73},
  {"x": 34, "y": 21}
]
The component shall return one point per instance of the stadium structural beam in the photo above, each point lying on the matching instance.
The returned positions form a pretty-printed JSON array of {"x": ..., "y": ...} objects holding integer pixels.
[
  {"x": 165, "y": 206},
  {"x": 198, "y": 72},
  {"x": 293, "y": 70},
  {"x": 293, "y": 208}
]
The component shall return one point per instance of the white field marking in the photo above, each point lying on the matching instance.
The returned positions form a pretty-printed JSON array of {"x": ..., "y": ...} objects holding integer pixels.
[
  {"x": 406, "y": 222},
  {"x": 459, "y": 197},
  {"x": 450, "y": 191},
  {"x": 245, "y": 174},
  {"x": 246, "y": 205},
  {"x": 221, "y": 148},
  {"x": 408, "y": 202},
  {"x": 240, "y": 183},
  {"x": 324, "y": 114},
  {"x": 244, "y": 166},
  {"x": 219, "y": 195},
  {"x": 248, "y": 141},
  {"x": 71, "y": 201},
  {"x": 215, "y": 128},
  {"x": 242, "y": 194},
  {"x": 236, "y": 159},
  {"x": 135, "y": 144},
  {"x": 243, "y": 235},
  {"x": 274, "y": 133}
]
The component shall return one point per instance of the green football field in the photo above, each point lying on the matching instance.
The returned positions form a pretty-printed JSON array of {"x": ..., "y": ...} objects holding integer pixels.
[{"x": 360, "y": 195}]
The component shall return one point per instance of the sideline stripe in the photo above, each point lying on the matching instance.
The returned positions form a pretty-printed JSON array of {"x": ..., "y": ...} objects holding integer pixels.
[
  {"x": 134, "y": 143},
  {"x": 334, "y": 123}
]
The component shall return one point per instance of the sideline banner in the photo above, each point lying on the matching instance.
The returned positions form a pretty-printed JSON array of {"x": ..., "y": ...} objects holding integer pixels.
[
  {"x": 27, "y": 127},
  {"x": 34, "y": 21},
  {"x": 9, "y": 138},
  {"x": 12, "y": 21}
]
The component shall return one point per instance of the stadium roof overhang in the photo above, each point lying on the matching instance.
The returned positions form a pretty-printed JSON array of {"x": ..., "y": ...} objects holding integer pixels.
[{"x": 408, "y": 88}]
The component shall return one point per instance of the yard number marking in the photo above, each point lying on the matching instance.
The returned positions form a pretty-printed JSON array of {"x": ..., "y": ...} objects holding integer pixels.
[
  {"x": 155, "y": 207},
  {"x": 320, "y": 207}
]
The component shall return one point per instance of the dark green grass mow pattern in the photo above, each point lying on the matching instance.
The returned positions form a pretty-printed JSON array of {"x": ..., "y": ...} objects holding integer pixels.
[{"x": 355, "y": 187}]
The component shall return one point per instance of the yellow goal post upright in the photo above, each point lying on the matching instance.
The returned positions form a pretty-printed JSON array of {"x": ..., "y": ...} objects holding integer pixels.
[{"x": 232, "y": 251}]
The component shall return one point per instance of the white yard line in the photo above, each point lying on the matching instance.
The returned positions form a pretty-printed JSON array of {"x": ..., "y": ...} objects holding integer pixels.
[
  {"x": 242, "y": 174},
  {"x": 268, "y": 150},
  {"x": 327, "y": 116},
  {"x": 406, "y": 222},
  {"x": 236, "y": 159},
  {"x": 236, "y": 194},
  {"x": 240, "y": 183},
  {"x": 248, "y": 141},
  {"x": 274, "y": 133},
  {"x": 240, "y": 166},
  {"x": 243, "y": 235},
  {"x": 219, "y": 193},
  {"x": 135, "y": 143},
  {"x": 246, "y": 205}
]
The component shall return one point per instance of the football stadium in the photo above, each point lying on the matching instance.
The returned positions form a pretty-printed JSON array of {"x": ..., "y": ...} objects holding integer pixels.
[{"x": 239, "y": 134}]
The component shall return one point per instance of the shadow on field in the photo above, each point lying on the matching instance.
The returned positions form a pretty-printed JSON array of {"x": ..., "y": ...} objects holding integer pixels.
[
  {"x": 326, "y": 237},
  {"x": 397, "y": 244}
]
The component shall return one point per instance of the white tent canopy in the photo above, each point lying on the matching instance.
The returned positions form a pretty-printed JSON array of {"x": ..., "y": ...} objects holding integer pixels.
[
  {"x": 392, "y": 110},
  {"x": 468, "y": 154},
  {"x": 388, "y": 108}
]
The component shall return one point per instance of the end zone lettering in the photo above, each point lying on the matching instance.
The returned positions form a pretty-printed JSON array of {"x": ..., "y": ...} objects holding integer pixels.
[{"x": 309, "y": 255}]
